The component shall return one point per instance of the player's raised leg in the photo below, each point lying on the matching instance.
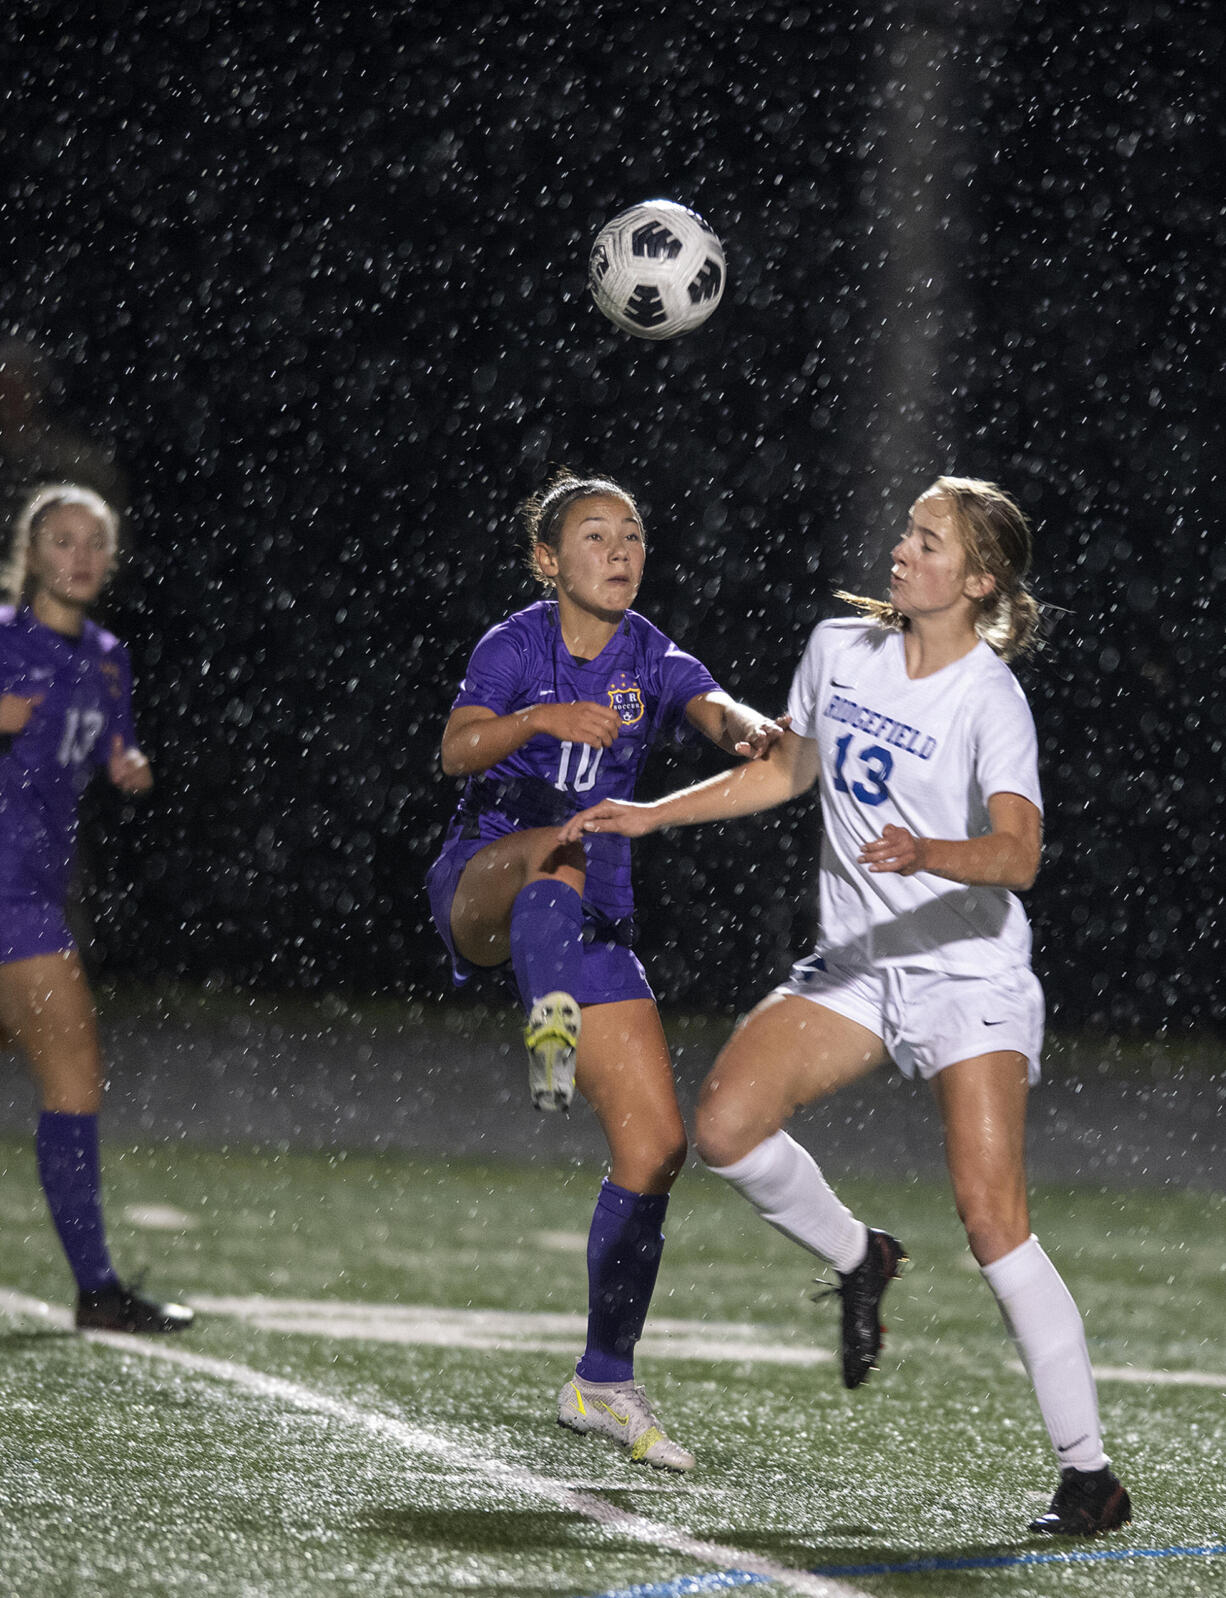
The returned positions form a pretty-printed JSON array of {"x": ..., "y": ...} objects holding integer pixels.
[
  {"x": 46, "y": 1006},
  {"x": 787, "y": 1053},
  {"x": 521, "y": 898},
  {"x": 625, "y": 1074},
  {"x": 983, "y": 1107}
]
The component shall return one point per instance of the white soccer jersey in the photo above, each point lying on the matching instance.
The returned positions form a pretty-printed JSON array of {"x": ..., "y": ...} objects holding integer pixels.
[{"x": 925, "y": 754}]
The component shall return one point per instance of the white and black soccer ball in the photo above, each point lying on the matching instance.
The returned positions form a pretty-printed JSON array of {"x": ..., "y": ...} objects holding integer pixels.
[{"x": 657, "y": 270}]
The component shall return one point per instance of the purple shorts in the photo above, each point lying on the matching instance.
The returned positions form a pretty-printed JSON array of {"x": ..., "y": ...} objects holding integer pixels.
[
  {"x": 32, "y": 926},
  {"x": 611, "y": 971}
]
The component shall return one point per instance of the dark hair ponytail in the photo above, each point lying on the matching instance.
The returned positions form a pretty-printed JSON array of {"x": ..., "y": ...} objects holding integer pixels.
[{"x": 543, "y": 513}]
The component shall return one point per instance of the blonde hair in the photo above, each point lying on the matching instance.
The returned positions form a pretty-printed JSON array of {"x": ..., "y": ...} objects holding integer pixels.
[
  {"x": 996, "y": 540},
  {"x": 543, "y": 513},
  {"x": 34, "y": 512}
]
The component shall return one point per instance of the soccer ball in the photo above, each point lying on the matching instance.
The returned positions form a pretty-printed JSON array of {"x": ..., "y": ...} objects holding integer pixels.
[{"x": 657, "y": 270}]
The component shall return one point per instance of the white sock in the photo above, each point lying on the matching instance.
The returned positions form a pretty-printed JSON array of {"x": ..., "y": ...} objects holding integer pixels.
[
  {"x": 1046, "y": 1326},
  {"x": 782, "y": 1182}
]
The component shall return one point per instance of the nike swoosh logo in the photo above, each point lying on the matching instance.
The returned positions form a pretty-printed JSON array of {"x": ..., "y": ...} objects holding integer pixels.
[
  {"x": 623, "y": 1420},
  {"x": 994, "y": 1023},
  {"x": 834, "y": 684},
  {"x": 1069, "y": 1446}
]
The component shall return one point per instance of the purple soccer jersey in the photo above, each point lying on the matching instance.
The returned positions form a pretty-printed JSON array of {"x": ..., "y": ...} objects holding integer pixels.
[
  {"x": 84, "y": 688},
  {"x": 523, "y": 661}
]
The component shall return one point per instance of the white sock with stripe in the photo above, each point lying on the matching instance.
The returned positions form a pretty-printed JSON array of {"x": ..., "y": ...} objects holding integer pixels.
[
  {"x": 783, "y": 1183},
  {"x": 1046, "y": 1326}
]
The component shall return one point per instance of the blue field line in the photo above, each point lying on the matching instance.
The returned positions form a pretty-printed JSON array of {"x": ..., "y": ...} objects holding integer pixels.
[
  {"x": 683, "y": 1586},
  {"x": 726, "y": 1580},
  {"x": 1072, "y": 1556}
]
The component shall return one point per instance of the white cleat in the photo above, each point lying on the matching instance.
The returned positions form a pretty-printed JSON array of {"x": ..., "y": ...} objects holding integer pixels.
[
  {"x": 622, "y": 1411},
  {"x": 551, "y": 1037}
]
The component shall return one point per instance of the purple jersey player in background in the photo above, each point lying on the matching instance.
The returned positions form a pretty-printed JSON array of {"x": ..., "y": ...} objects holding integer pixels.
[
  {"x": 65, "y": 712},
  {"x": 558, "y": 709}
]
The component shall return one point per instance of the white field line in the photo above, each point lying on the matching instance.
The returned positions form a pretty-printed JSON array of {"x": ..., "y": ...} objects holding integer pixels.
[
  {"x": 159, "y": 1218},
  {"x": 506, "y": 1330},
  {"x": 520, "y": 1332},
  {"x": 417, "y": 1440},
  {"x": 1148, "y": 1378},
  {"x": 561, "y": 1242}
]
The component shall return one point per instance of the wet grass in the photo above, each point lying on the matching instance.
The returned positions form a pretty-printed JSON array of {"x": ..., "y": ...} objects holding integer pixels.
[{"x": 123, "y": 1475}]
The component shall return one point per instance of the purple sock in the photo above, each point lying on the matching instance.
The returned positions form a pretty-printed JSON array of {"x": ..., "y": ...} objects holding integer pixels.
[
  {"x": 546, "y": 940},
  {"x": 623, "y": 1259},
  {"x": 68, "y": 1165}
]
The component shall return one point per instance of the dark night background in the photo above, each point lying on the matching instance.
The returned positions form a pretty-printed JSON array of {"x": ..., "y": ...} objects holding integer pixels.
[{"x": 317, "y": 278}]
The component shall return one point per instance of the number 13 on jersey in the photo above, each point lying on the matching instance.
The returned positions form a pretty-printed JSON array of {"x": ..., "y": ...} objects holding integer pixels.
[
  {"x": 877, "y": 763},
  {"x": 81, "y": 729}
]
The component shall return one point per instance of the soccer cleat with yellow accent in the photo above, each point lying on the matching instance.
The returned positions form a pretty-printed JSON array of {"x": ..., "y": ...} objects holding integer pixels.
[
  {"x": 622, "y": 1411},
  {"x": 551, "y": 1037}
]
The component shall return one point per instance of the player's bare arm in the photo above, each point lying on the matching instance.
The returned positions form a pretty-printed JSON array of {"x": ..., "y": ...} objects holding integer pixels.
[
  {"x": 789, "y": 768},
  {"x": 1006, "y": 857},
  {"x": 15, "y": 712},
  {"x": 737, "y": 729},
  {"x": 477, "y": 738}
]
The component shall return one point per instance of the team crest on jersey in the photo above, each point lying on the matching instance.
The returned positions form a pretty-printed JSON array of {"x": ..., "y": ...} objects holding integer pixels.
[
  {"x": 111, "y": 673},
  {"x": 626, "y": 697}
]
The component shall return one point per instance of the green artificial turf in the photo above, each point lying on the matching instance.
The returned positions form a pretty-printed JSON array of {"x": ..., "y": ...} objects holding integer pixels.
[{"x": 127, "y": 1475}]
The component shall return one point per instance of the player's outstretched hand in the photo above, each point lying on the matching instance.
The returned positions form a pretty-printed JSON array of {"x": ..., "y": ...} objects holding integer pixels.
[
  {"x": 582, "y": 723},
  {"x": 128, "y": 769},
  {"x": 763, "y": 738},
  {"x": 895, "y": 850},
  {"x": 612, "y": 815}
]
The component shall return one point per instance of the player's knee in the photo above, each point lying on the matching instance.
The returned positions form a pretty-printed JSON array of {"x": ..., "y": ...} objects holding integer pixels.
[
  {"x": 553, "y": 856},
  {"x": 70, "y": 1080},
  {"x": 996, "y": 1223},
  {"x": 670, "y": 1160},
  {"x": 651, "y": 1168},
  {"x": 565, "y": 862},
  {"x": 720, "y": 1134}
]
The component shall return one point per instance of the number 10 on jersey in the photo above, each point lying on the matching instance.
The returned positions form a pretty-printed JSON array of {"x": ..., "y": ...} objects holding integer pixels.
[{"x": 586, "y": 767}]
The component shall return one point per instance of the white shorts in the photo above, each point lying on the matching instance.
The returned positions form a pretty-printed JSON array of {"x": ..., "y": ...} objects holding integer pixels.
[{"x": 929, "y": 1019}]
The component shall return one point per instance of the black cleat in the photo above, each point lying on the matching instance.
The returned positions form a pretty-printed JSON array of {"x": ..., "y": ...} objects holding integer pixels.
[
  {"x": 116, "y": 1308},
  {"x": 861, "y": 1291},
  {"x": 1086, "y": 1504}
]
